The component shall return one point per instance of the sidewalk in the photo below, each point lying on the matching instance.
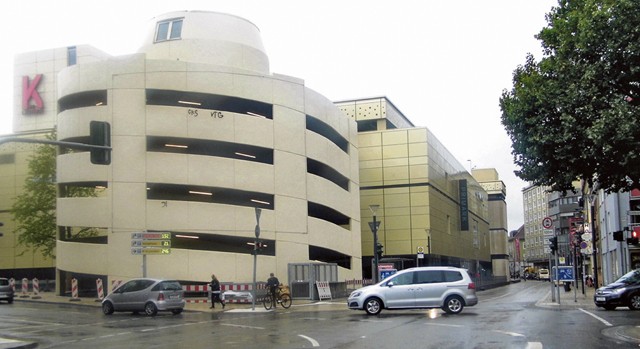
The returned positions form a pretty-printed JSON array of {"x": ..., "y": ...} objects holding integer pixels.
[
  {"x": 195, "y": 304},
  {"x": 569, "y": 300}
]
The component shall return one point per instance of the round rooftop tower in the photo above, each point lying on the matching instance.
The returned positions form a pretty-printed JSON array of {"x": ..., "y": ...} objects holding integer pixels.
[{"x": 206, "y": 37}]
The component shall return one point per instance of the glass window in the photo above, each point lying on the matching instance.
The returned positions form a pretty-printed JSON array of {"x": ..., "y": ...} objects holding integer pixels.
[
  {"x": 72, "y": 55},
  {"x": 169, "y": 30},
  {"x": 403, "y": 279},
  {"x": 429, "y": 277},
  {"x": 451, "y": 276}
]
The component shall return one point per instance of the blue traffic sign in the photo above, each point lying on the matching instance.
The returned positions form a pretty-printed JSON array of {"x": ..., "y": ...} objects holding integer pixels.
[{"x": 563, "y": 273}]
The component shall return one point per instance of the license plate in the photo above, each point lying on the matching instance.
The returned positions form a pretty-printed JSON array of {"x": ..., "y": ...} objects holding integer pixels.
[
  {"x": 600, "y": 299},
  {"x": 174, "y": 296}
]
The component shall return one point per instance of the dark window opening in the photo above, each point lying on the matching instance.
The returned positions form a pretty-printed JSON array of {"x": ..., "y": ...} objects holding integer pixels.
[
  {"x": 7, "y": 159},
  {"x": 372, "y": 125},
  {"x": 179, "y": 192},
  {"x": 329, "y": 256},
  {"x": 327, "y": 132},
  {"x": 169, "y": 30},
  {"x": 220, "y": 243},
  {"x": 87, "y": 235},
  {"x": 82, "y": 99},
  {"x": 197, "y": 100},
  {"x": 328, "y": 214},
  {"x": 210, "y": 148},
  {"x": 81, "y": 189},
  {"x": 319, "y": 169}
]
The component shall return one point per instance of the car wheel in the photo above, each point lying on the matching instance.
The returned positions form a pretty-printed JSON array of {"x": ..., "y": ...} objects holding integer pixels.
[
  {"x": 176, "y": 311},
  {"x": 453, "y": 305},
  {"x": 634, "y": 301},
  {"x": 107, "y": 308},
  {"x": 609, "y": 307},
  {"x": 150, "y": 309},
  {"x": 373, "y": 306},
  {"x": 10, "y": 300}
]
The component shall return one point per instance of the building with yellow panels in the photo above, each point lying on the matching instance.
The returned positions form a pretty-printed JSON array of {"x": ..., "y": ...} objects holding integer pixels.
[
  {"x": 202, "y": 134},
  {"x": 427, "y": 200}
]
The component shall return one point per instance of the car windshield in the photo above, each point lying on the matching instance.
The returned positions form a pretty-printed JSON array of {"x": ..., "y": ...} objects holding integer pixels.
[
  {"x": 4, "y": 282},
  {"x": 631, "y": 277}
]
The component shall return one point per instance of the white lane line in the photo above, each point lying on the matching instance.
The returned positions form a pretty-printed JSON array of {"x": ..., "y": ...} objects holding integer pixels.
[
  {"x": 243, "y": 326},
  {"x": 443, "y": 325},
  {"x": 512, "y": 334},
  {"x": 596, "y": 317},
  {"x": 314, "y": 342},
  {"x": 534, "y": 345}
]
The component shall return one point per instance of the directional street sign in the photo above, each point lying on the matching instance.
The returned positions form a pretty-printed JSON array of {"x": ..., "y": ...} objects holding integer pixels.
[{"x": 150, "y": 243}]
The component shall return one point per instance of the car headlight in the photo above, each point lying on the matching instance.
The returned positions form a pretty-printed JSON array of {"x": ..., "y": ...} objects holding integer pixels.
[{"x": 355, "y": 294}]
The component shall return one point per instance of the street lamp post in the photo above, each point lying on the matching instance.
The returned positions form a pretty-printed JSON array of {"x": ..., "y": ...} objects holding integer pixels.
[{"x": 374, "y": 229}]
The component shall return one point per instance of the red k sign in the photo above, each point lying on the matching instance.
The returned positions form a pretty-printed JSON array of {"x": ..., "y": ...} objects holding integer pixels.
[{"x": 31, "y": 100}]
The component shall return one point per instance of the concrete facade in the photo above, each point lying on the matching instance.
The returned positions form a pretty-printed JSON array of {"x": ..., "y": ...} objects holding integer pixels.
[{"x": 202, "y": 134}]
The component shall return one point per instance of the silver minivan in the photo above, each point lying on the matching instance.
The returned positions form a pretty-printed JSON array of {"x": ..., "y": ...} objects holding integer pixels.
[{"x": 448, "y": 288}]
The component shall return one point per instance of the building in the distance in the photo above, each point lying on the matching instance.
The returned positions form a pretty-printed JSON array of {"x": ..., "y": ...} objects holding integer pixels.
[{"x": 426, "y": 200}]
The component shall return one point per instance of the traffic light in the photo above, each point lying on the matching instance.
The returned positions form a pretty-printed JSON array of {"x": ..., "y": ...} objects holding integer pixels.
[
  {"x": 1, "y": 224},
  {"x": 100, "y": 134},
  {"x": 553, "y": 244},
  {"x": 379, "y": 250},
  {"x": 634, "y": 239},
  {"x": 617, "y": 235}
]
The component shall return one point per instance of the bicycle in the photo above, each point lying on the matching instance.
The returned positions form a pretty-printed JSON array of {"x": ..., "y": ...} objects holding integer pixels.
[{"x": 283, "y": 297}]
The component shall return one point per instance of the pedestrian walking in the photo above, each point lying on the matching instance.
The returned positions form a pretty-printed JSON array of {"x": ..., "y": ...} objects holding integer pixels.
[{"x": 215, "y": 292}]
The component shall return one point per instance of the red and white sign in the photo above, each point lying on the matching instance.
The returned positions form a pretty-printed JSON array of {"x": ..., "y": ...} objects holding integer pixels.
[{"x": 547, "y": 222}]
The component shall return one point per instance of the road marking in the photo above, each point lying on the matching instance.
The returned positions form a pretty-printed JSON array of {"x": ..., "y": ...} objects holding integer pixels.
[
  {"x": 443, "y": 325},
  {"x": 243, "y": 326},
  {"x": 534, "y": 345},
  {"x": 314, "y": 342},
  {"x": 596, "y": 317},
  {"x": 512, "y": 334}
]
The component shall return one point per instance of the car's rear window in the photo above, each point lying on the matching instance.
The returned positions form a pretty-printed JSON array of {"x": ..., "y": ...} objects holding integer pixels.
[
  {"x": 168, "y": 286},
  {"x": 451, "y": 276},
  {"x": 4, "y": 282}
]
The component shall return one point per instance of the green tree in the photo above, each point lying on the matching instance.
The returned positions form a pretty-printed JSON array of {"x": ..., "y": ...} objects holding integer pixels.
[
  {"x": 34, "y": 210},
  {"x": 574, "y": 114}
]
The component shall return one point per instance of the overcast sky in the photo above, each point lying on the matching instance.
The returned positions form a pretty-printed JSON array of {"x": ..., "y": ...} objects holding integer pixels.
[{"x": 444, "y": 64}]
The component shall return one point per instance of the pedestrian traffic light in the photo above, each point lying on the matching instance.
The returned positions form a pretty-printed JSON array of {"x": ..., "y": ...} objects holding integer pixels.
[
  {"x": 100, "y": 134},
  {"x": 379, "y": 250},
  {"x": 617, "y": 235},
  {"x": 634, "y": 239},
  {"x": 553, "y": 244}
]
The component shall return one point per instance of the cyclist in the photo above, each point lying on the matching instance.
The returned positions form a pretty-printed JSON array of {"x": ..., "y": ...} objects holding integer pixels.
[{"x": 273, "y": 283}]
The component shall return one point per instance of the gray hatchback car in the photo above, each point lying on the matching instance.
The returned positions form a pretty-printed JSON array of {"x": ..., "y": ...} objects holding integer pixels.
[
  {"x": 148, "y": 295},
  {"x": 448, "y": 288},
  {"x": 6, "y": 291}
]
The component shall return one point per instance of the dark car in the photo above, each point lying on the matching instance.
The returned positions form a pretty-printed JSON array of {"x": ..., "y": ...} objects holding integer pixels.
[
  {"x": 6, "y": 291},
  {"x": 146, "y": 295},
  {"x": 624, "y": 292}
]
